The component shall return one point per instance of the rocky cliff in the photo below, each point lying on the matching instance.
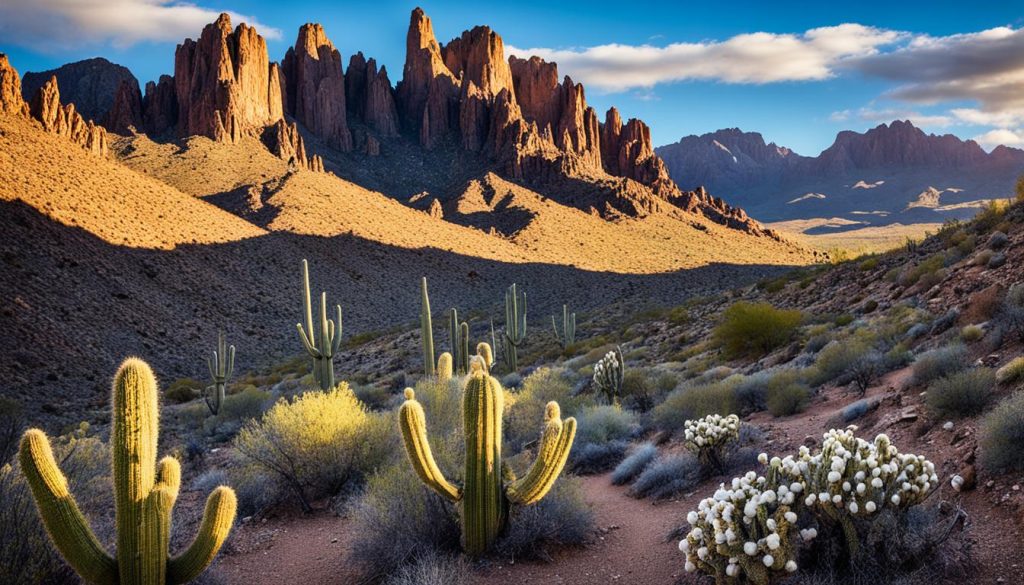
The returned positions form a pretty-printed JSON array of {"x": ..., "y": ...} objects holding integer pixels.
[{"x": 91, "y": 85}]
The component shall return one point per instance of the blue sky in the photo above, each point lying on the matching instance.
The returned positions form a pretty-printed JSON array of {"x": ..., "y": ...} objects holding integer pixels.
[{"x": 683, "y": 67}]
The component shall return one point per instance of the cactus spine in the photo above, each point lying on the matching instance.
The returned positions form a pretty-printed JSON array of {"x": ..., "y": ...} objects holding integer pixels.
[
  {"x": 568, "y": 334},
  {"x": 485, "y": 497},
  {"x": 444, "y": 367},
  {"x": 221, "y": 365},
  {"x": 144, "y": 493},
  {"x": 321, "y": 347},
  {"x": 515, "y": 327},
  {"x": 427, "y": 331}
]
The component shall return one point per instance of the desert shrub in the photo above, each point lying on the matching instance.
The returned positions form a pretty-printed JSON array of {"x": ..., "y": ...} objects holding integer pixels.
[
  {"x": 667, "y": 476},
  {"x": 603, "y": 423},
  {"x": 866, "y": 368},
  {"x": 209, "y": 480},
  {"x": 1011, "y": 372},
  {"x": 591, "y": 458},
  {"x": 855, "y": 410},
  {"x": 916, "y": 331},
  {"x": 525, "y": 410},
  {"x": 925, "y": 271},
  {"x": 374, "y": 396},
  {"x": 696, "y": 401},
  {"x": 755, "y": 329},
  {"x": 562, "y": 518},
  {"x": 939, "y": 363},
  {"x": 432, "y": 569},
  {"x": 961, "y": 394},
  {"x": 868, "y": 264},
  {"x": 787, "y": 394},
  {"x": 844, "y": 320},
  {"x": 1012, "y": 310},
  {"x": 12, "y": 421},
  {"x": 183, "y": 389},
  {"x": 835, "y": 363},
  {"x": 256, "y": 488},
  {"x": 398, "y": 520},
  {"x": 751, "y": 392},
  {"x": 26, "y": 555},
  {"x": 816, "y": 343},
  {"x": 316, "y": 443},
  {"x": 990, "y": 215},
  {"x": 1002, "y": 434},
  {"x": 982, "y": 258},
  {"x": 631, "y": 466},
  {"x": 639, "y": 390},
  {"x": 972, "y": 333},
  {"x": 236, "y": 409}
]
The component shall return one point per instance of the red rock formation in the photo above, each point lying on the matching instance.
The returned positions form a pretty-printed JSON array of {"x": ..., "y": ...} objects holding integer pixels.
[
  {"x": 65, "y": 121},
  {"x": 11, "y": 101},
  {"x": 160, "y": 106},
  {"x": 284, "y": 140},
  {"x": 125, "y": 114},
  {"x": 369, "y": 96},
  {"x": 537, "y": 90},
  {"x": 224, "y": 83},
  {"x": 428, "y": 90},
  {"x": 479, "y": 56},
  {"x": 315, "y": 85}
]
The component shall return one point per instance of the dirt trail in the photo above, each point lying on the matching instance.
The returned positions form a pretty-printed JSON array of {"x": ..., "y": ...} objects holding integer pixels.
[{"x": 629, "y": 549}]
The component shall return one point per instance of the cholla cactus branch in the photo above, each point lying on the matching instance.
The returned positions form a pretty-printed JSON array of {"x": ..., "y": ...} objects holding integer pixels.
[
  {"x": 609, "y": 372},
  {"x": 708, "y": 438}
]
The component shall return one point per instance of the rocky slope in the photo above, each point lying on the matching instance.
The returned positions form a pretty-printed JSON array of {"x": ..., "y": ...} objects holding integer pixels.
[
  {"x": 877, "y": 177},
  {"x": 91, "y": 84}
]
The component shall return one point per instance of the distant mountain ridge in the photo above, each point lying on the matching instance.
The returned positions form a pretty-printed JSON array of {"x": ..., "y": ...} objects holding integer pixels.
[{"x": 879, "y": 173}]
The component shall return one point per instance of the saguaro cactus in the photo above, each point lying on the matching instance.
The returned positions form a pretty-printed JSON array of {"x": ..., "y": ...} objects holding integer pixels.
[
  {"x": 221, "y": 365},
  {"x": 484, "y": 351},
  {"x": 515, "y": 326},
  {"x": 321, "y": 347},
  {"x": 567, "y": 336},
  {"x": 458, "y": 334},
  {"x": 485, "y": 496},
  {"x": 426, "y": 331},
  {"x": 144, "y": 494}
]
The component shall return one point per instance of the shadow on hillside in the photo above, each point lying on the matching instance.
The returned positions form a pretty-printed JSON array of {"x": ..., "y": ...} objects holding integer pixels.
[{"x": 74, "y": 305}]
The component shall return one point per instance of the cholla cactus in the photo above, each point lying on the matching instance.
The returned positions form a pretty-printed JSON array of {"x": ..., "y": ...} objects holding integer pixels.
[
  {"x": 848, "y": 478},
  {"x": 742, "y": 533},
  {"x": 853, "y": 478},
  {"x": 608, "y": 375},
  {"x": 709, "y": 437}
]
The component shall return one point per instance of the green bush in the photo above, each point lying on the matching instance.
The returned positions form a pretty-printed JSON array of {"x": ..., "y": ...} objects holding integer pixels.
[
  {"x": 787, "y": 394},
  {"x": 697, "y": 401},
  {"x": 603, "y": 423},
  {"x": 972, "y": 333},
  {"x": 524, "y": 410},
  {"x": 1002, "y": 434},
  {"x": 317, "y": 443},
  {"x": 183, "y": 389},
  {"x": 961, "y": 394},
  {"x": 939, "y": 363},
  {"x": 836, "y": 361},
  {"x": 755, "y": 329},
  {"x": 1011, "y": 372}
]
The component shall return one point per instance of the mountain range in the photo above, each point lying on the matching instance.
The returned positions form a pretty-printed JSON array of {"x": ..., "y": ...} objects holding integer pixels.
[
  {"x": 187, "y": 206},
  {"x": 892, "y": 173}
]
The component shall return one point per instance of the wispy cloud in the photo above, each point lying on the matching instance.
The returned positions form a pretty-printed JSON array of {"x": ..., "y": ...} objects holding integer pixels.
[
  {"x": 756, "y": 58},
  {"x": 890, "y": 114},
  {"x": 53, "y": 25},
  {"x": 1003, "y": 136}
]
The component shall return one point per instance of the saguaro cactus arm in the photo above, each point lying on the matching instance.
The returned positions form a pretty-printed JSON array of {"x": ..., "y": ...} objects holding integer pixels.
[
  {"x": 218, "y": 518},
  {"x": 414, "y": 435},
  {"x": 64, "y": 522},
  {"x": 552, "y": 453},
  {"x": 426, "y": 330}
]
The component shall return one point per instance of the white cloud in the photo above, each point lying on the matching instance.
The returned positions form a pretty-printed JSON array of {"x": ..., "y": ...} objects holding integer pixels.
[
  {"x": 890, "y": 114},
  {"x": 755, "y": 58},
  {"x": 1003, "y": 136},
  {"x": 48, "y": 25}
]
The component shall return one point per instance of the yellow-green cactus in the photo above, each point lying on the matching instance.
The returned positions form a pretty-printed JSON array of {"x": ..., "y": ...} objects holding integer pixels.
[
  {"x": 444, "y": 367},
  {"x": 489, "y": 488},
  {"x": 483, "y": 350},
  {"x": 426, "y": 330},
  {"x": 515, "y": 326},
  {"x": 567, "y": 336},
  {"x": 320, "y": 347},
  {"x": 144, "y": 494},
  {"x": 221, "y": 364}
]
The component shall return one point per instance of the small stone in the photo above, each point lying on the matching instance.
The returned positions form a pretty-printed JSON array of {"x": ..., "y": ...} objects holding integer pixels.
[{"x": 948, "y": 426}]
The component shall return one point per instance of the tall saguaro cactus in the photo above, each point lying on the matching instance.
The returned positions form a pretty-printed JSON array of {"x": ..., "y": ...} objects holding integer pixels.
[
  {"x": 515, "y": 327},
  {"x": 321, "y": 347},
  {"x": 485, "y": 497},
  {"x": 221, "y": 364},
  {"x": 458, "y": 334},
  {"x": 426, "y": 330},
  {"x": 144, "y": 493},
  {"x": 568, "y": 335}
]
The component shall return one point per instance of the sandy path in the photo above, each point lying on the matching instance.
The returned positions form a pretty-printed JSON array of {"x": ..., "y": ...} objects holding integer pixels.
[{"x": 630, "y": 547}]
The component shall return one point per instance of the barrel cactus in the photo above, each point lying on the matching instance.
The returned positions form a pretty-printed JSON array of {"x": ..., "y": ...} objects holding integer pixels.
[
  {"x": 144, "y": 494},
  {"x": 221, "y": 364},
  {"x": 708, "y": 438},
  {"x": 320, "y": 347},
  {"x": 609, "y": 373},
  {"x": 488, "y": 490}
]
